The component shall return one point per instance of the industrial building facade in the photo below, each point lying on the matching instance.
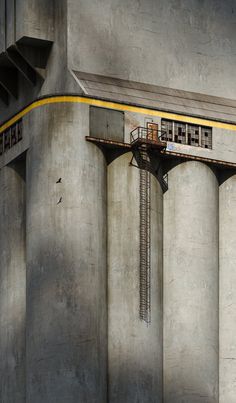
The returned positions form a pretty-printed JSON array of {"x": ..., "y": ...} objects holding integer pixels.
[{"x": 118, "y": 201}]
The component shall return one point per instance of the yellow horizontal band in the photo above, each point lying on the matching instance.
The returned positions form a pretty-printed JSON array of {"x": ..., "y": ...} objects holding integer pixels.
[{"x": 116, "y": 106}]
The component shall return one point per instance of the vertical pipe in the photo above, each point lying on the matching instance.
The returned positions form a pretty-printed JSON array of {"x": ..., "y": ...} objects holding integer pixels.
[
  {"x": 12, "y": 283},
  {"x": 134, "y": 348},
  {"x": 191, "y": 285},
  {"x": 227, "y": 290},
  {"x": 66, "y": 259}
]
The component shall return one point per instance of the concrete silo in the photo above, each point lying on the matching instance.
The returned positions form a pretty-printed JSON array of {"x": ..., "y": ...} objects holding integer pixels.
[
  {"x": 191, "y": 284},
  {"x": 66, "y": 259},
  {"x": 227, "y": 281},
  {"x": 117, "y": 205},
  {"x": 134, "y": 346},
  {"x": 13, "y": 282}
]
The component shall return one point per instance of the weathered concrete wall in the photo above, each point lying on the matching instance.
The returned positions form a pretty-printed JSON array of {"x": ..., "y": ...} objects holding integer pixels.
[
  {"x": 227, "y": 290},
  {"x": 191, "y": 285},
  {"x": 12, "y": 284},
  {"x": 134, "y": 348},
  {"x": 7, "y": 19},
  {"x": 31, "y": 18},
  {"x": 10, "y": 22},
  {"x": 35, "y": 18},
  {"x": 52, "y": 18},
  {"x": 223, "y": 146},
  {"x": 185, "y": 44},
  {"x": 66, "y": 259},
  {"x": 2, "y": 26}
]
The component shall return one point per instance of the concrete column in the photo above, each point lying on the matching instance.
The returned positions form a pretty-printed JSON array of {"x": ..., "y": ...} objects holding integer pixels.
[
  {"x": 134, "y": 348},
  {"x": 191, "y": 285},
  {"x": 66, "y": 258},
  {"x": 227, "y": 291},
  {"x": 12, "y": 284}
]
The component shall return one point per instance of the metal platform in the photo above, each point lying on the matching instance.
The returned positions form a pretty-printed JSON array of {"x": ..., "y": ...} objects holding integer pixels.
[
  {"x": 151, "y": 137},
  {"x": 112, "y": 149}
]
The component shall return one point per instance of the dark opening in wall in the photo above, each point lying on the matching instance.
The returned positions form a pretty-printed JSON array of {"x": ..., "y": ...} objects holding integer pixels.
[{"x": 185, "y": 133}]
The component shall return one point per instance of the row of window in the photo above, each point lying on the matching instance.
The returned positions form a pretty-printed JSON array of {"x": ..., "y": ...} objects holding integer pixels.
[
  {"x": 10, "y": 137},
  {"x": 185, "y": 133}
]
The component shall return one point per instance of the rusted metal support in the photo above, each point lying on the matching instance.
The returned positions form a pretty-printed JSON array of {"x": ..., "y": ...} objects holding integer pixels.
[
  {"x": 160, "y": 150},
  {"x": 219, "y": 163}
]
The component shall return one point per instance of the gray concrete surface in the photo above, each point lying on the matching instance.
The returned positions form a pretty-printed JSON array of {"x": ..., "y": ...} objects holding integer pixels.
[
  {"x": 188, "y": 45},
  {"x": 134, "y": 348},
  {"x": 191, "y": 306},
  {"x": 2, "y": 26},
  {"x": 39, "y": 20},
  {"x": 184, "y": 44},
  {"x": 35, "y": 18},
  {"x": 227, "y": 291},
  {"x": 12, "y": 284},
  {"x": 10, "y": 22},
  {"x": 153, "y": 96},
  {"x": 66, "y": 337}
]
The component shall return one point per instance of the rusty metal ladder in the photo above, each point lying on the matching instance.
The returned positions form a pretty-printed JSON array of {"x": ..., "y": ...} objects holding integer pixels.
[{"x": 145, "y": 238}]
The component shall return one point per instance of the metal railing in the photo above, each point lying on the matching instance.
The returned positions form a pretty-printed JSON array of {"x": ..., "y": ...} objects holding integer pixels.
[{"x": 147, "y": 134}]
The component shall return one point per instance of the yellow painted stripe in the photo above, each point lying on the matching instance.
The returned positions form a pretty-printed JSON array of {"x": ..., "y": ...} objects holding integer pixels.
[{"x": 116, "y": 106}]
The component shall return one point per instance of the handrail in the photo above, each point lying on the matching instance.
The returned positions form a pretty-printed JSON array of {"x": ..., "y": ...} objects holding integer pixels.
[{"x": 146, "y": 133}]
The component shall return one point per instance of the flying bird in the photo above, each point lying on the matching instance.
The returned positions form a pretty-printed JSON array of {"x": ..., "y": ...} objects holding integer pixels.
[
  {"x": 59, "y": 201},
  {"x": 58, "y": 181}
]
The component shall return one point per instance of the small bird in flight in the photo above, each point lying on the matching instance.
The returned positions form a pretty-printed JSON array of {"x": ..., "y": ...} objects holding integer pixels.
[
  {"x": 59, "y": 201},
  {"x": 58, "y": 181}
]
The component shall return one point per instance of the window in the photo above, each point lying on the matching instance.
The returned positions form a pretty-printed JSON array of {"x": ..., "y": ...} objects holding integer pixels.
[
  {"x": 10, "y": 137},
  {"x": 179, "y": 132},
  {"x": 184, "y": 133},
  {"x": 167, "y": 129},
  {"x": 206, "y": 137},
  {"x": 193, "y": 135}
]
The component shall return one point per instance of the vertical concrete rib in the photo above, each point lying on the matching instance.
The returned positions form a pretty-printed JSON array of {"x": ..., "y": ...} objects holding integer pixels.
[
  {"x": 227, "y": 290},
  {"x": 2, "y": 26},
  {"x": 12, "y": 283},
  {"x": 191, "y": 285},
  {"x": 10, "y": 22},
  {"x": 66, "y": 259},
  {"x": 134, "y": 348}
]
